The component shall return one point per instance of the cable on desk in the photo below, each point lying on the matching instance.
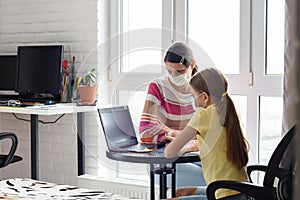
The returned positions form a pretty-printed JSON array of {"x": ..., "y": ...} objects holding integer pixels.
[{"x": 28, "y": 120}]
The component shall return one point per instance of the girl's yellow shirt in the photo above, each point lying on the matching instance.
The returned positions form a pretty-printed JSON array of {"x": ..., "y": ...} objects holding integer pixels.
[{"x": 213, "y": 146}]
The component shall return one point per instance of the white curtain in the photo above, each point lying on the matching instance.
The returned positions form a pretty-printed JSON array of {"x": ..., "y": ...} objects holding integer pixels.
[
  {"x": 291, "y": 107},
  {"x": 291, "y": 64}
]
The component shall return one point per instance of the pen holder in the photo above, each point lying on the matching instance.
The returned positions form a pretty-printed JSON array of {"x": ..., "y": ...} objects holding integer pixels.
[{"x": 66, "y": 93}]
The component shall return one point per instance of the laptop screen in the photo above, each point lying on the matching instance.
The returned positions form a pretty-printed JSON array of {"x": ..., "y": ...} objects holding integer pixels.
[{"x": 117, "y": 127}]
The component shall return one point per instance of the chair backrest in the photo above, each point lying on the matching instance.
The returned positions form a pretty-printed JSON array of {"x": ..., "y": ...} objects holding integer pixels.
[
  {"x": 9, "y": 158},
  {"x": 282, "y": 165}
]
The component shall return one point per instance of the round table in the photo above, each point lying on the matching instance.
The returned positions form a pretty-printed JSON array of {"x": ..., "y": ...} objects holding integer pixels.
[{"x": 156, "y": 158}]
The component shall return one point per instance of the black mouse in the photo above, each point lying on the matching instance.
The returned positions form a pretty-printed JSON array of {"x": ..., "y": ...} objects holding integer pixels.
[{"x": 49, "y": 102}]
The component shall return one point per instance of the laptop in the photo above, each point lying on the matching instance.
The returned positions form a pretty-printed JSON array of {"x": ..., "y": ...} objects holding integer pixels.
[{"x": 119, "y": 131}]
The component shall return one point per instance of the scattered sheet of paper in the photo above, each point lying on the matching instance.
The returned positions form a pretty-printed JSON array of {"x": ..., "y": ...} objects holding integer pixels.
[
  {"x": 29, "y": 189},
  {"x": 48, "y": 107}
]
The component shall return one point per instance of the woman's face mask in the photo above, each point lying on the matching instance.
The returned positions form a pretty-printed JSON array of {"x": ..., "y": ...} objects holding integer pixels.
[
  {"x": 178, "y": 80},
  {"x": 177, "y": 73}
]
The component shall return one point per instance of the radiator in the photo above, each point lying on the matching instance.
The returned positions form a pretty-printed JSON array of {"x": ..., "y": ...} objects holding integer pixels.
[{"x": 127, "y": 188}]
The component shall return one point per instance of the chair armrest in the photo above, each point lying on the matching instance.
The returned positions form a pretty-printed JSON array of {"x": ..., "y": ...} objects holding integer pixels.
[
  {"x": 252, "y": 168},
  {"x": 13, "y": 148},
  {"x": 257, "y": 192},
  {"x": 285, "y": 186}
]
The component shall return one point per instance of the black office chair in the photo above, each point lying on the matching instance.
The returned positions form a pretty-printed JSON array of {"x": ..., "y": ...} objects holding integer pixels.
[
  {"x": 281, "y": 168},
  {"x": 6, "y": 159}
]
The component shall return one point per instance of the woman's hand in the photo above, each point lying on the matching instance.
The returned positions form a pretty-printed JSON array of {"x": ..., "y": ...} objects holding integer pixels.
[
  {"x": 159, "y": 128},
  {"x": 149, "y": 135},
  {"x": 167, "y": 137},
  {"x": 192, "y": 146}
]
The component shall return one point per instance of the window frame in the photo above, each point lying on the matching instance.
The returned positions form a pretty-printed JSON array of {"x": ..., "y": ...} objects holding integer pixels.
[
  {"x": 252, "y": 80},
  {"x": 122, "y": 81}
]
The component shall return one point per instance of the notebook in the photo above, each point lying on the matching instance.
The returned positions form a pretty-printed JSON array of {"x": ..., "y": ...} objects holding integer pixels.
[{"x": 119, "y": 131}]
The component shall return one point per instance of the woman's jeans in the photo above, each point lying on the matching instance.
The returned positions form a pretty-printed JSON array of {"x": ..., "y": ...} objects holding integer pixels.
[
  {"x": 187, "y": 174},
  {"x": 200, "y": 194}
]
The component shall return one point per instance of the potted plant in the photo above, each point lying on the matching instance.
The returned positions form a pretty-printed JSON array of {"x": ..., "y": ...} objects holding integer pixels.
[{"x": 88, "y": 90}]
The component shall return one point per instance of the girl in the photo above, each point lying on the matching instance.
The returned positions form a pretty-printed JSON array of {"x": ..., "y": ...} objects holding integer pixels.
[{"x": 222, "y": 145}]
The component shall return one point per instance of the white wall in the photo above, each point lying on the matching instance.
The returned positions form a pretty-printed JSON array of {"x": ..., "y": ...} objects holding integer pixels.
[{"x": 72, "y": 23}]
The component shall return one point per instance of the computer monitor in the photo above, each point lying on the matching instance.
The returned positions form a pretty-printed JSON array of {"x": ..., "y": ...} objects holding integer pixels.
[
  {"x": 8, "y": 68},
  {"x": 39, "y": 72}
]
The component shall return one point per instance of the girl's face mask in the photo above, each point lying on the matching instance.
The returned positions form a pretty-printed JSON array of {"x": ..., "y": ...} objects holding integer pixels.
[{"x": 195, "y": 102}]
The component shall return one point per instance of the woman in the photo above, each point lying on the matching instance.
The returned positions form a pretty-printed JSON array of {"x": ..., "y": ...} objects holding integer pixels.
[
  {"x": 222, "y": 145},
  {"x": 168, "y": 108}
]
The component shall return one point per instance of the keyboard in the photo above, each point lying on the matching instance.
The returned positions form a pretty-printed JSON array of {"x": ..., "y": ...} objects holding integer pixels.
[{"x": 10, "y": 102}]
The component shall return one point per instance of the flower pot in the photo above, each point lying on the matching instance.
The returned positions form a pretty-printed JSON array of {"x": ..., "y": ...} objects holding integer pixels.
[{"x": 88, "y": 94}]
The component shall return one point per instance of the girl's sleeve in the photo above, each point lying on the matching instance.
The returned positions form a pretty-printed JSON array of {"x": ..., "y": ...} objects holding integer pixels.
[{"x": 200, "y": 122}]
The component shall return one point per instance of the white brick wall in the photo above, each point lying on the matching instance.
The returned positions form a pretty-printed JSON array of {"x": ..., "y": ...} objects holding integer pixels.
[{"x": 72, "y": 23}]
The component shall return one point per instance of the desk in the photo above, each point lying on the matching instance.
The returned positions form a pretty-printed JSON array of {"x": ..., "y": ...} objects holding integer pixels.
[
  {"x": 66, "y": 108},
  {"x": 156, "y": 158}
]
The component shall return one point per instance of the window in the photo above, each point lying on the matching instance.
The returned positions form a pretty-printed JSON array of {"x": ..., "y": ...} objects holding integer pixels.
[
  {"x": 270, "y": 126},
  {"x": 275, "y": 37},
  {"x": 238, "y": 36},
  {"x": 268, "y": 71},
  {"x": 139, "y": 54},
  {"x": 223, "y": 34},
  {"x": 217, "y": 31},
  {"x": 137, "y": 59},
  {"x": 240, "y": 103}
]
